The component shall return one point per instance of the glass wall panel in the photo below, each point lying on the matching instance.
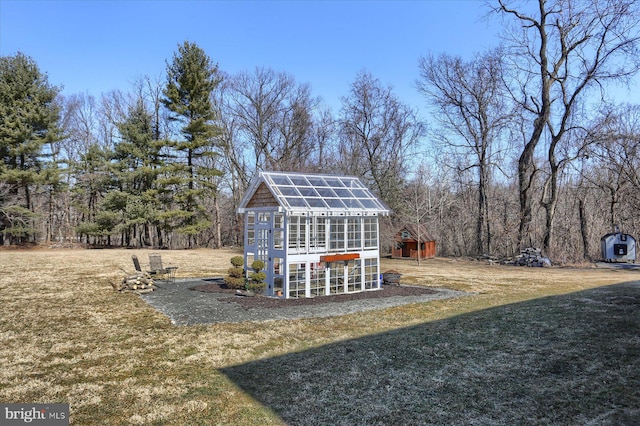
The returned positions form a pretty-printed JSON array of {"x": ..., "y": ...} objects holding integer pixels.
[
  {"x": 371, "y": 277},
  {"x": 297, "y": 234},
  {"x": 318, "y": 234},
  {"x": 355, "y": 276},
  {"x": 250, "y": 257},
  {"x": 278, "y": 239},
  {"x": 278, "y": 231},
  {"x": 318, "y": 274},
  {"x": 354, "y": 235},
  {"x": 336, "y": 235},
  {"x": 336, "y": 278},
  {"x": 370, "y": 232},
  {"x": 296, "y": 279},
  {"x": 262, "y": 244},
  {"x": 278, "y": 276},
  {"x": 251, "y": 229}
]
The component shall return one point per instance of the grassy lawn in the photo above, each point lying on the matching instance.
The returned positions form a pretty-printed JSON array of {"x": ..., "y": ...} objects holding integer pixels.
[{"x": 529, "y": 346}]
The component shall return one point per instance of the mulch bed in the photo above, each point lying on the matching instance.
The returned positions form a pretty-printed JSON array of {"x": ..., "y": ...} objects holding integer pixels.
[
  {"x": 215, "y": 286},
  {"x": 272, "y": 302}
]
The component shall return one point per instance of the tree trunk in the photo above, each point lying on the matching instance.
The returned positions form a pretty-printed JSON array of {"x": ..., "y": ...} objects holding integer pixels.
[
  {"x": 549, "y": 202},
  {"x": 583, "y": 230}
]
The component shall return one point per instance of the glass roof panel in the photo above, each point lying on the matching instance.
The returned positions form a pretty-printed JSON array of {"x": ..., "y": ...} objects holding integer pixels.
[
  {"x": 308, "y": 192},
  {"x": 355, "y": 183},
  {"x": 296, "y": 202},
  {"x": 316, "y": 181},
  {"x": 318, "y": 192},
  {"x": 280, "y": 180},
  {"x": 316, "y": 202},
  {"x": 369, "y": 204},
  {"x": 343, "y": 193},
  {"x": 326, "y": 192},
  {"x": 289, "y": 190},
  {"x": 335, "y": 203},
  {"x": 333, "y": 182},
  {"x": 299, "y": 180},
  {"x": 352, "y": 203},
  {"x": 360, "y": 193}
]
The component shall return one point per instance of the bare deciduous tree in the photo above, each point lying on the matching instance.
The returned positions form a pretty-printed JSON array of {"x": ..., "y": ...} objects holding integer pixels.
[
  {"x": 615, "y": 158},
  {"x": 377, "y": 133},
  {"x": 271, "y": 116},
  {"x": 561, "y": 49},
  {"x": 472, "y": 113}
]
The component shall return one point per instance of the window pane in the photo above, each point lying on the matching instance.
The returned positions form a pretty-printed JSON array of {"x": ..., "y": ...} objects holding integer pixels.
[
  {"x": 278, "y": 238},
  {"x": 278, "y": 220},
  {"x": 336, "y": 235},
  {"x": 296, "y": 279},
  {"x": 317, "y": 233},
  {"x": 371, "y": 277},
  {"x": 354, "y": 237}
]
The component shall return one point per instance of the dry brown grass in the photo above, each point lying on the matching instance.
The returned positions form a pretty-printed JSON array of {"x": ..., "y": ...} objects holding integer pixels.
[{"x": 66, "y": 336}]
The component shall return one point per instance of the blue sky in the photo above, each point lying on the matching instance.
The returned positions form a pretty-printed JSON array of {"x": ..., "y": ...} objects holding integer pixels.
[{"x": 99, "y": 46}]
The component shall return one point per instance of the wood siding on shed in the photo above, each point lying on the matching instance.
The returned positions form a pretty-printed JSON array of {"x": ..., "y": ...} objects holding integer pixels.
[{"x": 262, "y": 198}]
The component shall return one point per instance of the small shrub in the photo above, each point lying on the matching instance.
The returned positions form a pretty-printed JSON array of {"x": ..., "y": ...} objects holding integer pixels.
[
  {"x": 256, "y": 278},
  {"x": 236, "y": 278}
]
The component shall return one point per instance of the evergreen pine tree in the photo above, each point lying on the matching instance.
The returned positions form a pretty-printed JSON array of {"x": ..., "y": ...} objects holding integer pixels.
[
  {"x": 137, "y": 166},
  {"x": 191, "y": 80},
  {"x": 29, "y": 117}
]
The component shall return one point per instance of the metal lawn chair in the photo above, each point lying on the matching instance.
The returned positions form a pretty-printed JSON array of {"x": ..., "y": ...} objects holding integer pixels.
[
  {"x": 136, "y": 264},
  {"x": 156, "y": 268}
]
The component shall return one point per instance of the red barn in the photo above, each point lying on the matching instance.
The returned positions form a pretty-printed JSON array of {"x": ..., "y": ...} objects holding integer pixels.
[{"x": 407, "y": 240}]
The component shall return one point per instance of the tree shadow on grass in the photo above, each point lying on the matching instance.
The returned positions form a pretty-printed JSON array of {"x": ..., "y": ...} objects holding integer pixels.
[{"x": 570, "y": 359}]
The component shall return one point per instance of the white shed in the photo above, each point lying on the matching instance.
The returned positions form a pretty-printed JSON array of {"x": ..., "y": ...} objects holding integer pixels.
[
  {"x": 618, "y": 247},
  {"x": 317, "y": 234}
]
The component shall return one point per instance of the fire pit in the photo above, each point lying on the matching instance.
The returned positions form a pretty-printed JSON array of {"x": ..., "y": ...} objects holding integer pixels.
[{"x": 391, "y": 278}]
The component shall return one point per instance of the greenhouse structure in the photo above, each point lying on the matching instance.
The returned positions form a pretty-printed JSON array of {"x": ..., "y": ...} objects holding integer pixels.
[{"x": 316, "y": 234}]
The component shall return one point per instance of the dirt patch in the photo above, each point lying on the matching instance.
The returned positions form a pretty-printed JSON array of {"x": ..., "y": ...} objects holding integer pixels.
[{"x": 272, "y": 302}]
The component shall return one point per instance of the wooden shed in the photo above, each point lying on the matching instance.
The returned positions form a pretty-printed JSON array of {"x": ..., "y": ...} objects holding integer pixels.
[
  {"x": 407, "y": 240},
  {"x": 317, "y": 234}
]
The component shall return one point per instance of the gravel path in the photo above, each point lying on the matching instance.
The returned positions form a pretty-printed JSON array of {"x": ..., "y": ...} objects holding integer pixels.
[{"x": 188, "y": 302}]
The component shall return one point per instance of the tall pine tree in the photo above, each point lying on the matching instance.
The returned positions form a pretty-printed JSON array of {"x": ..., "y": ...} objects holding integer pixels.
[
  {"x": 137, "y": 163},
  {"x": 191, "y": 80},
  {"x": 29, "y": 118}
]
